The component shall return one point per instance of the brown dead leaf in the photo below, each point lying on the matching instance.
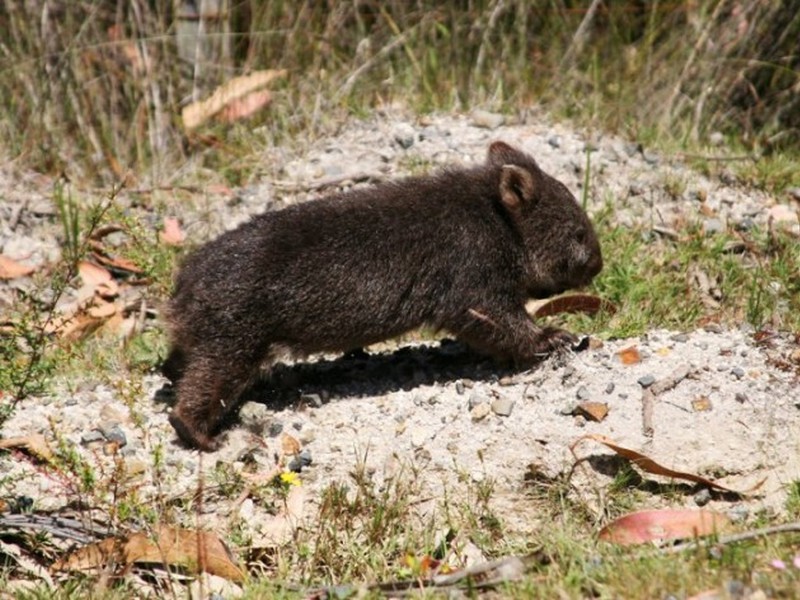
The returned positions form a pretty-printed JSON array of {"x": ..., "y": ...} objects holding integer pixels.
[
  {"x": 574, "y": 303},
  {"x": 197, "y": 113},
  {"x": 35, "y": 444},
  {"x": 594, "y": 411},
  {"x": 659, "y": 525},
  {"x": 630, "y": 355},
  {"x": 648, "y": 465},
  {"x": 11, "y": 269},
  {"x": 242, "y": 108},
  {"x": 102, "y": 310},
  {"x": 92, "y": 274},
  {"x": 289, "y": 445},
  {"x": 171, "y": 235},
  {"x": 195, "y": 551},
  {"x": 116, "y": 262}
]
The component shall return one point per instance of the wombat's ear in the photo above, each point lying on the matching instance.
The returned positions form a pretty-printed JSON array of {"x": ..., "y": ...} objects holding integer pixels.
[
  {"x": 501, "y": 154},
  {"x": 516, "y": 186}
]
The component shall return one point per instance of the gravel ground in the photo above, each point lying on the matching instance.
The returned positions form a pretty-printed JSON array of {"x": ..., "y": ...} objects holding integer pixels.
[{"x": 735, "y": 416}]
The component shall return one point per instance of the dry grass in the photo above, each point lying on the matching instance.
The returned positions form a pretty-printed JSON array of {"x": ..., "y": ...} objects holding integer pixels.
[{"x": 95, "y": 88}]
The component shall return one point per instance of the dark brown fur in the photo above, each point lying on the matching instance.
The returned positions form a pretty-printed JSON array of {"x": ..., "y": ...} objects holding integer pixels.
[{"x": 461, "y": 251}]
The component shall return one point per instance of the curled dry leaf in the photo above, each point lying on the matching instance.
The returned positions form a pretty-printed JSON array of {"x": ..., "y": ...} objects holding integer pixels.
[
  {"x": 11, "y": 269},
  {"x": 195, "y": 551},
  {"x": 658, "y": 525},
  {"x": 289, "y": 445},
  {"x": 245, "y": 106},
  {"x": 648, "y": 465},
  {"x": 92, "y": 274},
  {"x": 197, "y": 113},
  {"x": 573, "y": 303},
  {"x": 594, "y": 411},
  {"x": 35, "y": 445}
]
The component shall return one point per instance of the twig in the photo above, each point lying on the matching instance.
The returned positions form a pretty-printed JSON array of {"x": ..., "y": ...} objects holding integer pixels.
[
  {"x": 348, "y": 84},
  {"x": 659, "y": 387},
  {"x": 329, "y": 182},
  {"x": 579, "y": 39},
  {"x": 498, "y": 9},
  {"x": 737, "y": 537}
]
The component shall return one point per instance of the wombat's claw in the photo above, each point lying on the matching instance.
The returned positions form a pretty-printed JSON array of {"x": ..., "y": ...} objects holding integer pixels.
[{"x": 557, "y": 339}]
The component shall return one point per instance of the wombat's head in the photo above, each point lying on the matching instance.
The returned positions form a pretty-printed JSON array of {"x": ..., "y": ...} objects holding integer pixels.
[{"x": 559, "y": 243}]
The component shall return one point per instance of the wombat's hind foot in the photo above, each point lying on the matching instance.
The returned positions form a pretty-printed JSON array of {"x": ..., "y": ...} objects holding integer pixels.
[
  {"x": 553, "y": 339},
  {"x": 190, "y": 436}
]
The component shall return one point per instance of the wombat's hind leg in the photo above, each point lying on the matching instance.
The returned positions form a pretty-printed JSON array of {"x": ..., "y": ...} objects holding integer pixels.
[{"x": 207, "y": 393}]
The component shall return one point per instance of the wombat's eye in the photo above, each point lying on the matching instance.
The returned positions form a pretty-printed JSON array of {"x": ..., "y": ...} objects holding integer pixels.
[{"x": 580, "y": 235}]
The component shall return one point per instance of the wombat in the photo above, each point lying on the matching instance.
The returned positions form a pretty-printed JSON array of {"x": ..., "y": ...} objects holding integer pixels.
[{"x": 461, "y": 251}]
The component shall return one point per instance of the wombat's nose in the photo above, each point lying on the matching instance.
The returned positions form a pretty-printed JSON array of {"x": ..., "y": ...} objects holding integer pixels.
[{"x": 594, "y": 265}]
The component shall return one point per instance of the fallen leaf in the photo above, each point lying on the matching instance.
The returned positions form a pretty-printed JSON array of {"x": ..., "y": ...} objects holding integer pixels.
[
  {"x": 289, "y": 445},
  {"x": 92, "y": 274},
  {"x": 197, "y": 113},
  {"x": 102, "y": 310},
  {"x": 629, "y": 355},
  {"x": 242, "y": 108},
  {"x": 35, "y": 444},
  {"x": 192, "y": 550},
  {"x": 595, "y": 411},
  {"x": 11, "y": 269},
  {"x": 701, "y": 404},
  {"x": 669, "y": 524},
  {"x": 119, "y": 263},
  {"x": 648, "y": 465},
  {"x": 574, "y": 303},
  {"x": 171, "y": 234}
]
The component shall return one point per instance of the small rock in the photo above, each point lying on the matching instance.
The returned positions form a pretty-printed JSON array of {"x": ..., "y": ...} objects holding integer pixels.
[
  {"x": 475, "y": 398},
  {"x": 794, "y": 193},
  {"x": 92, "y": 436},
  {"x": 486, "y": 119},
  {"x": 404, "y": 136},
  {"x": 460, "y": 388},
  {"x": 582, "y": 393},
  {"x": 646, "y": 381},
  {"x": 275, "y": 429},
  {"x": 502, "y": 406},
  {"x": 737, "y": 372},
  {"x": 713, "y": 227},
  {"x": 116, "y": 435},
  {"x": 636, "y": 189},
  {"x": 650, "y": 158},
  {"x": 568, "y": 409},
  {"x": 480, "y": 411},
  {"x": 610, "y": 387},
  {"x": 418, "y": 437},
  {"x": 680, "y": 337},
  {"x": 740, "y": 397},
  {"x": 506, "y": 381},
  {"x": 253, "y": 412},
  {"x": 554, "y": 141},
  {"x": 702, "y": 497},
  {"x": 738, "y": 513},
  {"x": 745, "y": 224},
  {"x": 784, "y": 216}
]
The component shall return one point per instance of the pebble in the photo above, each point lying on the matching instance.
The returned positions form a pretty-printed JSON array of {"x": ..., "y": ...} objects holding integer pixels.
[
  {"x": 650, "y": 157},
  {"x": 480, "y": 411},
  {"x": 475, "y": 398},
  {"x": 419, "y": 435},
  {"x": 740, "y": 397},
  {"x": 680, "y": 337},
  {"x": 274, "y": 429},
  {"x": 91, "y": 436},
  {"x": 404, "y": 135},
  {"x": 116, "y": 435},
  {"x": 646, "y": 381},
  {"x": 502, "y": 406},
  {"x": 460, "y": 388},
  {"x": 702, "y": 497},
  {"x": 554, "y": 141},
  {"x": 486, "y": 119},
  {"x": 610, "y": 387},
  {"x": 582, "y": 393},
  {"x": 713, "y": 227},
  {"x": 738, "y": 372},
  {"x": 314, "y": 400}
]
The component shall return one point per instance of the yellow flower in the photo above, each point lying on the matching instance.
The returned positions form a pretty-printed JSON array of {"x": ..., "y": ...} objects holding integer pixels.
[{"x": 290, "y": 478}]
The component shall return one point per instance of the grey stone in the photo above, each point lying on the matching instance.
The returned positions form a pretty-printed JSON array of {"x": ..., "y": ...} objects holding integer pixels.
[
  {"x": 502, "y": 406},
  {"x": 554, "y": 141},
  {"x": 404, "y": 136},
  {"x": 115, "y": 434},
  {"x": 582, "y": 393},
  {"x": 713, "y": 226},
  {"x": 646, "y": 381},
  {"x": 275, "y": 429},
  {"x": 740, "y": 397},
  {"x": 475, "y": 398},
  {"x": 459, "y": 388},
  {"x": 610, "y": 387},
  {"x": 702, "y": 497},
  {"x": 738, "y": 372},
  {"x": 89, "y": 437},
  {"x": 680, "y": 337}
]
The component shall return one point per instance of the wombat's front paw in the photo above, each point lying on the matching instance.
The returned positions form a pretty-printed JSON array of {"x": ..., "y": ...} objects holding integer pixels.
[
  {"x": 191, "y": 437},
  {"x": 553, "y": 339}
]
